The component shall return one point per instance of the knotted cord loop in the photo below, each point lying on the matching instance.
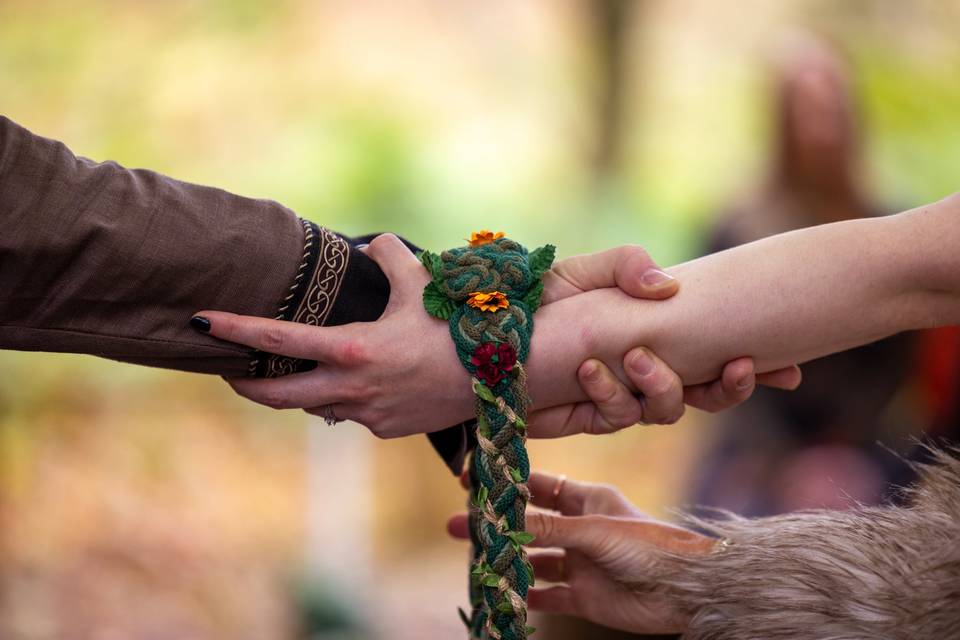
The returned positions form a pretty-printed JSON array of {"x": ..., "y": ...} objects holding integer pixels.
[{"x": 488, "y": 291}]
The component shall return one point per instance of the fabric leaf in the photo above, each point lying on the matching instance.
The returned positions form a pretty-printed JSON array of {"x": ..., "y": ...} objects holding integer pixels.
[
  {"x": 432, "y": 263},
  {"x": 533, "y": 297},
  {"x": 521, "y": 537},
  {"x": 541, "y": 259},
  {"x": 436, "y": 303}
]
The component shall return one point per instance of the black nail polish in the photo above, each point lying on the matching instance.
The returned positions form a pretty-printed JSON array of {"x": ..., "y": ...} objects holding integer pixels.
[{"x": 200, "y": 324}]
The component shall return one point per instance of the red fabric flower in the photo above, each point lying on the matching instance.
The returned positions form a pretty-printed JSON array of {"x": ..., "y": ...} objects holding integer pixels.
[
  {"x": 484, "y": 353},
  {"x": 507, "y": 357},
  {"x": 493, "y": 361},
  {"x": 489, "y": 374}
]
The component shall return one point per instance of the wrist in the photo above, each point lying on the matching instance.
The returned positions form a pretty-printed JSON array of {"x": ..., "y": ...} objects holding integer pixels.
[
  {"x": 602, "y": 324},
  {"x": 927, "y": 286},
  {"x": 557, "y": 347}
]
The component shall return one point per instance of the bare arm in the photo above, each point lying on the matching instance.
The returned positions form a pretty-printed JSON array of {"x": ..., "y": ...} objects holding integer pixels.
[{"x": 782, "y": 300}]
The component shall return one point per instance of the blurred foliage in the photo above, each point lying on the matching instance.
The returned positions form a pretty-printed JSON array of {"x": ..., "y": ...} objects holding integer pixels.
[{"x": 424, "y": 117}]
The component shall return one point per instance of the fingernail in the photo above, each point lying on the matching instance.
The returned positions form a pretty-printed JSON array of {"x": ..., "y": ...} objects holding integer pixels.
[
  {"x": 200, "y": 324},
  {"x": 591, "y": 372},
  {"x": 745, "y": 382},
  {"x": 642, "y": 363},
  {"x": 656, "y": 278}
]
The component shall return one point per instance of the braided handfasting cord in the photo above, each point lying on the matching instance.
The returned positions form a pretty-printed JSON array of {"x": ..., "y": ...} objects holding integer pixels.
[{"x": 488, "y": 291}]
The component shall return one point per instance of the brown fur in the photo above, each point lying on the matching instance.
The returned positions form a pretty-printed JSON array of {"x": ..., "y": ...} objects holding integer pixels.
[{"x": 877, "y": 572}]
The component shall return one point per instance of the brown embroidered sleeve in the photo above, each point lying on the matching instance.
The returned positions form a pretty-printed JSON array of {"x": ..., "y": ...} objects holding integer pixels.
[{"x": 100, "y": 259}]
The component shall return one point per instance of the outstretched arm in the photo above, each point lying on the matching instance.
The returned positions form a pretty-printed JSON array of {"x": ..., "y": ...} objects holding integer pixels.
[{"x": 785, "y": 299}]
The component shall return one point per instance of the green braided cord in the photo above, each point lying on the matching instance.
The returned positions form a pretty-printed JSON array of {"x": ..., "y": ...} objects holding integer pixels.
[{"x": 499, "y": 468}]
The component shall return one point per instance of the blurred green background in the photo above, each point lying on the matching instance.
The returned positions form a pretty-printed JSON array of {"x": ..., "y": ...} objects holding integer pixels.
[{"x": 141, "y": 503}]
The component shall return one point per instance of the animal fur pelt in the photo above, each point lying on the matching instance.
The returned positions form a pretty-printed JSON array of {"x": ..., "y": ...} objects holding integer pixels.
[{"x": 868, "y": 573}]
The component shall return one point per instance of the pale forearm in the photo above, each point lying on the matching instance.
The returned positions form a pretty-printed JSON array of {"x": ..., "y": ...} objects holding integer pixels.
[
  {"x": 782, "y": 300},
  {"x": 803, "y": 295}
]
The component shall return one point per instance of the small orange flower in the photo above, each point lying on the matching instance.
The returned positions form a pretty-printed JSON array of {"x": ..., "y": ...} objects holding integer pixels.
[
  {"x": 491, "y": 302},
  {"x": 482, "y": 237}
]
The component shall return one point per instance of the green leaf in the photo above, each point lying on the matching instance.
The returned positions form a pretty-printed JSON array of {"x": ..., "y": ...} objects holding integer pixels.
[
  {"x": 437, "y": 303},
  {"x": 482, "y": 494},
  {"x": 521, "y": 537},
  {"x": 432, "y": 263},
  {"x": 530, "y": 630},
  {"x": 491, "y": 580},
  {"x": 504, "y": 606},
  {"x": 528, "y": 569},
  {"x": 464, "y": 618},
  {"x": 520, "y": 424},
  {"x": 541, "y": 259},
  {"x": 483, "y": 426},
  {"x": 516, "y": 475},
  {"x": 481, "y": 390},
  {"x": 533, "y": 297}
]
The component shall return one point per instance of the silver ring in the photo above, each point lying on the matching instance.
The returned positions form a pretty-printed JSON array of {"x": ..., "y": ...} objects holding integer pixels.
[
  {"x": 329, "y": 416},
  {"x": 722, "y": 545}
]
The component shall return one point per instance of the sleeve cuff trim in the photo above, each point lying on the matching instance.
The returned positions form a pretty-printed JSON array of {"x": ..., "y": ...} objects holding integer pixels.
[{"x": 311, "y": 296}]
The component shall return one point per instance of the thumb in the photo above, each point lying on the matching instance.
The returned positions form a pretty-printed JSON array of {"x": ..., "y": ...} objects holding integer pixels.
[
  {"x": 398, "y": 263},
  {"x": 629, "y": 268}
]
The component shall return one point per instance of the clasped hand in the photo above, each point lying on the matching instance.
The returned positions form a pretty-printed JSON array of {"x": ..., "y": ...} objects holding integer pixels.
[{"x": 400, "y": 375}]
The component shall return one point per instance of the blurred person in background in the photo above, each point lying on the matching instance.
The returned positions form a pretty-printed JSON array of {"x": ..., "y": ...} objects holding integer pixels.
[{"x": 817, "y": 447}]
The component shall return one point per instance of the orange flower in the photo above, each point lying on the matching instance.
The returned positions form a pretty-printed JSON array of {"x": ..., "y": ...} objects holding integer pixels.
[
  {"x": 491, "y": 302},
  {"x": 478, "y": 238}
]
